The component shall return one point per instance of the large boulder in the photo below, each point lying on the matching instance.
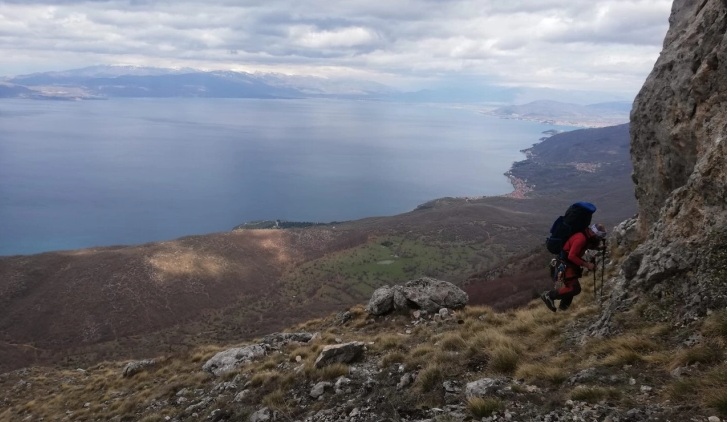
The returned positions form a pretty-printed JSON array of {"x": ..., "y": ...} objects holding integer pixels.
[
  {"x": 425, "y": 293},
  {"x": 339, "y": 353},
  {"x": 231, "y": 359},
  {"x": 381, "y": 301}
]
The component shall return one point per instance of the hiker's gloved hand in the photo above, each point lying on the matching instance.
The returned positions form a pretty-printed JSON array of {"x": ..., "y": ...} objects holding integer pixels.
[{"x": 590, "y": 266}]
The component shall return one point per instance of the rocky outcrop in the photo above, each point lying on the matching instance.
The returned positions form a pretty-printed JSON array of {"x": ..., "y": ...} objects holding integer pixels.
[
  {"x": 278, "y": 340},
  {"x": 678, "y": 123},
  {"x": 427, "y": 294},
  {"x": 674, "y": 254},
  {"x": 229, "y": 360}
]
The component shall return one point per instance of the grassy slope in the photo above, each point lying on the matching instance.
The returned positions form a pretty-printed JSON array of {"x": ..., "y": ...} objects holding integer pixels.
[{"x": 530, "y": 345}]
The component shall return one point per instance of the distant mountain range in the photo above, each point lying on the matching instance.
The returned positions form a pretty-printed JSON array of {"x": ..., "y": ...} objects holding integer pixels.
[
  {"x": 104, "y": 82},
  {"x": 101, "y": 82}
]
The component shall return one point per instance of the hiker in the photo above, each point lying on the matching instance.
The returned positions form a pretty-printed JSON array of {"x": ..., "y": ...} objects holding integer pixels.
[{"x": 572, "y": 255}]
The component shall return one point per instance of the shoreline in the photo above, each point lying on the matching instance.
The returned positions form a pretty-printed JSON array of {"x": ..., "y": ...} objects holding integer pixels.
[{"x": 520, "y": 188}]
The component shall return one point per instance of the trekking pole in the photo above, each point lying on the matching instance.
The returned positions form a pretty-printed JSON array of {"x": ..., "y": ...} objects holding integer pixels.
[{"x": 604, "y": 261}]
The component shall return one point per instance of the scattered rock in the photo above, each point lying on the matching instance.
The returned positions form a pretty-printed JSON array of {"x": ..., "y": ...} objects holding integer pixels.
[
  {"x": 342, "y": 385},
  {"x": 261, "y": 415},
  {"x": 281, "y": 339},
  {"x": 344, "y": 317},
  {"x": 405, "y": 380},
  {"x": 319, "y": 389},
  {"x": 452, "y": 387}
]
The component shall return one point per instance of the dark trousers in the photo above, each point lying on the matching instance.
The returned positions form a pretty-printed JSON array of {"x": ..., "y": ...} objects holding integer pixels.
[{"x": 566, "y": 294}]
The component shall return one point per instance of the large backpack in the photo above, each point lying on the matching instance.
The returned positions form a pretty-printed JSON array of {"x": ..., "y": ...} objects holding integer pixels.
[{"x": 577, "y": 218}]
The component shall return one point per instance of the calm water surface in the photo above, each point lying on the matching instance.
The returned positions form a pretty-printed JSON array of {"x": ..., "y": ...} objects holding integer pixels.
[{"x": 127, "y": 171}]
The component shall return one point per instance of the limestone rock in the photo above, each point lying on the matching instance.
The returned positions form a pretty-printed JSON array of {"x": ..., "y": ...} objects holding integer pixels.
[
  {"x": 261, "y": 415},
  {"x": 427, "y": 294},
  {"x": 280, "y": 339},
  {"x": 381, "y": 301},
  {"x": 484, "y": 387},
  {"x": 340, "y": 353},
  {"x": 678, "y": 118},
  {"x": 319, "y": 389},
  {"x": 231, "y": 359},
  {"x": 132, "y": 368}
]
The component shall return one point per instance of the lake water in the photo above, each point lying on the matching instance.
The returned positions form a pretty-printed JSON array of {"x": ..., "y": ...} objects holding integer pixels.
[{"x": 128, "y": 171}]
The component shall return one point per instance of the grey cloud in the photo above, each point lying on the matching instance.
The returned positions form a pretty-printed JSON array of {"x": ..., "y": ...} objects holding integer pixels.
[
  {"x": 497, "y": 39},
  {"x": 624, "y": 25}
]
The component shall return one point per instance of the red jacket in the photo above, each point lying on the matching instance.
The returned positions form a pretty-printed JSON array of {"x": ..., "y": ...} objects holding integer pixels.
[{"x": 574, "y": 250}]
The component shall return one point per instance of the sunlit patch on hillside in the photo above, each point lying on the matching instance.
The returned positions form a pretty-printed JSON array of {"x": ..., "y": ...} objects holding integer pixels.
[
  {"x": 185, "y": 263},
  {"x": 272, "y": 242}
]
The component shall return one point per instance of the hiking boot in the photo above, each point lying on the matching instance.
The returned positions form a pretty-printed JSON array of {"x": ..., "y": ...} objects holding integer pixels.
[{"x": 548, "y": 301}]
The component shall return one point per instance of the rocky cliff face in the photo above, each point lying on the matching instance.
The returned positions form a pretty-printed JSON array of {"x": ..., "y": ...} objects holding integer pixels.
[
  {"x": 675, "y": 250},
  {"x": 679, "y": 123}
]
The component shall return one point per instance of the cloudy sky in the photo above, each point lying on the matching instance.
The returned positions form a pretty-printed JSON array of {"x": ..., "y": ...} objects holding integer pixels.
[{"x": 588, "y": 45}]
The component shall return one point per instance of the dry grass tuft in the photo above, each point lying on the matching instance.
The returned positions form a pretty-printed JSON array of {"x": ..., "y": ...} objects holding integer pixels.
[
  {"x": 204, "y": 353},
  {"x": 702, "y": 353},
  {"x": 714, "y": 328},
  {"x": 623, "y": 350},
  {"x": 546, "y": 372},
  {"x": 302, "y": 351},
  {"x": 276, "y": 400},
  {"x": 388, "y": 342},
  {"x": 264, "y": 378},
  {"x": 329, "y": 372},
  {"x": 392, "y": 358},
  {"x": 451, "y": 342},
  {"x": 420, "y": 355},
  {"x": 504, "y": 360},
  {"x": 622, "y": 357},
  {"x": 707, "y": 389},
  {"x": 594, "y": 394},
  {"x": 482, "y": 407},
  {"x": 429, "y": 378}
]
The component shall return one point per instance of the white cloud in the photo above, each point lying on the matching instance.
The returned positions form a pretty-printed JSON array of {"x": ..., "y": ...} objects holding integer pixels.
[
  {"x": 311, "y": 37},
  {"x": 578, "y": 44}
]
